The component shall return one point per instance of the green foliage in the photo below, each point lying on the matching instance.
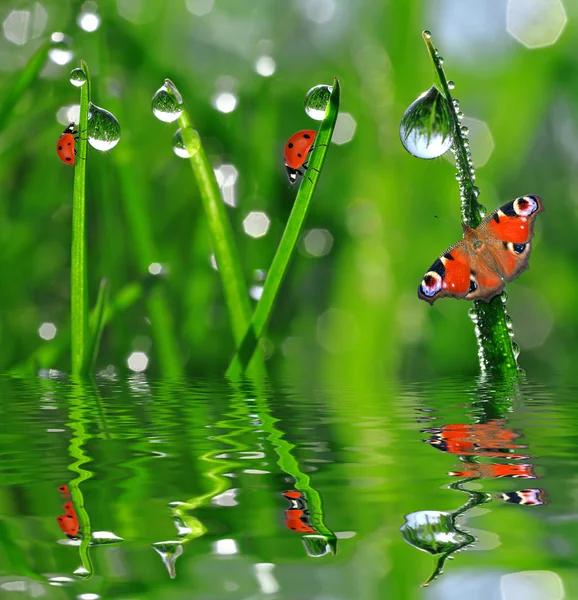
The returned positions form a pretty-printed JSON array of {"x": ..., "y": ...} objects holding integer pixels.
[{"x": 351, "y": 309}]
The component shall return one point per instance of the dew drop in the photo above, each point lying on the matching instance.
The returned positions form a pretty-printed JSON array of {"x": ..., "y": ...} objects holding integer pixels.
[
  {"x": 451, "y": 84},
  {"x": 427, "y": 34},
  {"x": 426, "y": 127},
  {"x": 103, "y": 128},
  {"x": 515, "y": 349},
  {"x": 317, "y": 100},
  {"x": 77, "y": 77},
  {"x": 483, "y": 210},
  {"x": 186, "y": 142},
  {"x": 167, "y": 103},
  {"x": 440, "y": 60}
]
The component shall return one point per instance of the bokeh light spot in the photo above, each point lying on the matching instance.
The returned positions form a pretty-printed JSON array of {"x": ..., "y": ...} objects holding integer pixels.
[
  {"x": 318, "y": 11},
  {"x": 200, "y": 8},
  {"x": 344, "y": 129},
  {"x": 225, "y": 102},
  {"x": 318, "y": 242},
  {"x": 536, "y": 23},
  {"x": 532, "y": 585},
  {"x": 265, "y": 66},
  {"x": 16, "y": 27},
  {"x": 256, "y": 224},
  {"x": 225, "y": 547},
  {"x": 226, "y": 176},
  {"x": 137, "y": 362},
  {"x": 481, "y": 140},
  {"x": 47, "y": 331},
  {"x": 89, "y": 21}
]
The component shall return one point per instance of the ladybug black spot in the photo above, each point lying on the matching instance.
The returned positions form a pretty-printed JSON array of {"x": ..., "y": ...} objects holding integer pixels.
[
  {"x": 69, "y": 144},
  {"x": 306, "y": 136},
  {"x": 289, "y": 145},
  {"x": 68, "y": 159},
  {"x": 300, "y": 155},
  {"x": 60, "y": 147}
]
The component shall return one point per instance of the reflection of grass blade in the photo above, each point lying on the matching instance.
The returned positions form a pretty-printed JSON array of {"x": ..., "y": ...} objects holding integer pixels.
[
  {"x": 14, "y": 90},
  {"x": 493, "y": 335},
  {"x": 288, "y": 243},
  {"x": 78, "y": 401},
  {"x": 79, "y": 333},
  {"x": 97, "y": 321}
]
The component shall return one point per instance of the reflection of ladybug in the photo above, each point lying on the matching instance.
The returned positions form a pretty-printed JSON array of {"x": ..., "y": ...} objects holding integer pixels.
[
  {"x": 297, "y": 515},
  {"x": 496, "y": 470},
  {"x": 481, "y": 439},
  {"x": 297, "y": 149},
  {"x": 530, "y": 497},
  {"x": 68, "y": 522}
]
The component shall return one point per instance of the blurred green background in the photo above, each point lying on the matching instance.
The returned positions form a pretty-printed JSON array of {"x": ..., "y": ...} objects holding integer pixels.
[{"x": 350, "y": 302}]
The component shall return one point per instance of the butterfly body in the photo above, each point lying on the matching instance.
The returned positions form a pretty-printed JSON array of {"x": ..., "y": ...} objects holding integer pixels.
[{"x": 477, "y": 267}]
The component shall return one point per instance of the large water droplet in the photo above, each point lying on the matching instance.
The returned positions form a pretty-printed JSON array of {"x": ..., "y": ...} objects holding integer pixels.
[
  {"x": 77, "y": 77},
  {"x": 426, "y": 126},
  {"x": 103, "y": 128},
  {"x": 317, "y": 100},
  {"x": 167, "y": 103},
  {"x": 186, "y": 142}
]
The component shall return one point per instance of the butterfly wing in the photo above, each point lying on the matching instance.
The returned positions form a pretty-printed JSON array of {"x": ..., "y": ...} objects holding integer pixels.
[
  {"x": 460, "y": 273},
  {"x": 507, "y": 233}
]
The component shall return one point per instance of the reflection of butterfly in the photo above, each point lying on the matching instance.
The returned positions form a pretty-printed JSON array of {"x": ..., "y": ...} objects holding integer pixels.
[
  {"x": 496, "y": 470},
  {"x": 530, "y": 497},
  {"x": 68, "y": 522},
  {"x": 484, "y": 439},
  {"x": 297, "y": 515},
  {"x": 498, "y": 249}
]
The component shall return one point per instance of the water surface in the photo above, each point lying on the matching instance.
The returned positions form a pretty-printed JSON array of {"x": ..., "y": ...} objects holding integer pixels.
[{"x": 203, "y": 490}]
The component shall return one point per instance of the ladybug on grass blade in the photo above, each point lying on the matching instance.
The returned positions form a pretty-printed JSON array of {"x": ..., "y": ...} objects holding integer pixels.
[
  {"x": 296, "y": 151},
  {"x": 65, "y": 146}
]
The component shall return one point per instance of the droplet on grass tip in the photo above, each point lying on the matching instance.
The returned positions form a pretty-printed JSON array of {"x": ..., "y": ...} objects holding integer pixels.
[
  {"x": 103, "y": 128},
  {"x": 317, "y": 100},
  {"x": 167, "y": 103}
]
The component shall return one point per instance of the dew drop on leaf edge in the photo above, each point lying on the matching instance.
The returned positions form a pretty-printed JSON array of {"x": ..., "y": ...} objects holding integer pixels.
[
  {"x": 77, "y": 77},
  {"x": 103, "y": 128},
  {"x": 192, "y": 145},
  {"x": 317, "y": 100},
  {"x": 426, "y": 127}
]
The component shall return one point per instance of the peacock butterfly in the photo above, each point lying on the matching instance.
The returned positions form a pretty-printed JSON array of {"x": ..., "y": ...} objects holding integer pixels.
[{"x": 476, "y": 267}]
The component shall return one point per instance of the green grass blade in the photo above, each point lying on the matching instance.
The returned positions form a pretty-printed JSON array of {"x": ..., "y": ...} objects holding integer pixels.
[
  {"x": 222, "y": 238},
  {"x": 97, "y": 321},
  {"x": 21, "y": 82},
  {"x": 288, "y": 243},
  {"x": 79, "y": 331},
  {"x": 495, "y": 348}
]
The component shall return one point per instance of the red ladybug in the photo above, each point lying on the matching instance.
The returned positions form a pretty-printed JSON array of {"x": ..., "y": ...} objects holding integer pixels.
[
  {"x": 65, "y": 145},
  {"x": 297, "y": 515},
  {"x": 296, "y": 152}
]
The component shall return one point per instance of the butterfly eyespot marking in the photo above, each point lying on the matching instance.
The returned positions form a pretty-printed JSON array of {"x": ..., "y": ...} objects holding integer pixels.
[
  {"x": 473, "y": 284},
  {"x": 448, "y": 256},
  {"x": 525, "y": 206},
  {"x": 518, "y": 248},
  {"x": 431, "y": 284}
]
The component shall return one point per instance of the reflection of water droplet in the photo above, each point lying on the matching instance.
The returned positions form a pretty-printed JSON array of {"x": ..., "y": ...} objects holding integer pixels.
[
  {"x": 316, "y": 101},
  {"x": 103, "y": 128},
  {"x": 186, "y": 142},
  {"x": 451, "y": 84},
  {"x": 426, "y": 126},
  {"x": 427, "y": 34},
  {"x": 60, "y": 52},
  {"x": 169, "y": 551},
  {"x": 77, "y": 77},
  {"x": 167, "y": 105}
]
